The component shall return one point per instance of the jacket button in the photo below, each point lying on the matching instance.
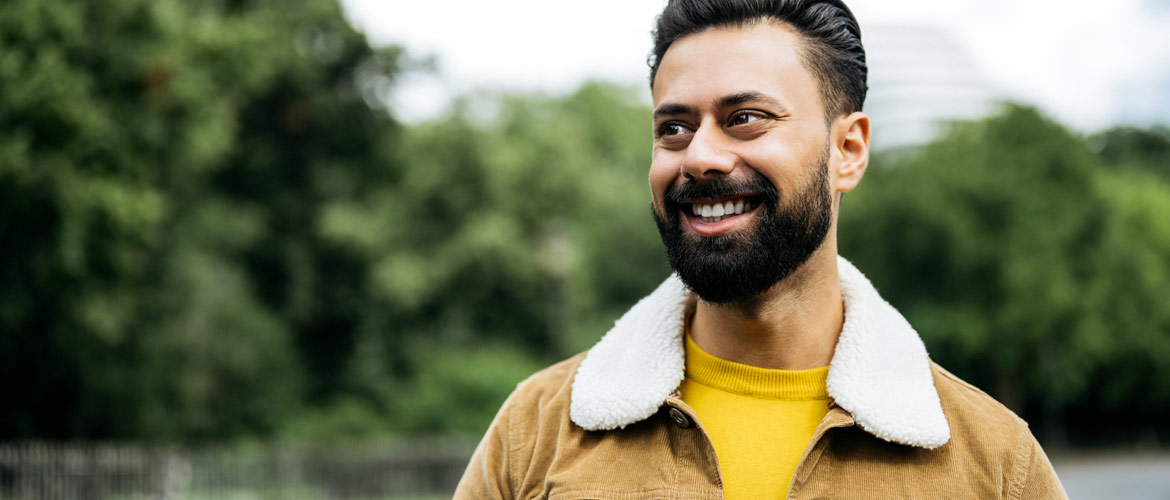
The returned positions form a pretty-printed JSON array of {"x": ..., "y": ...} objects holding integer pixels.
[{"x": 680, "y": 418}]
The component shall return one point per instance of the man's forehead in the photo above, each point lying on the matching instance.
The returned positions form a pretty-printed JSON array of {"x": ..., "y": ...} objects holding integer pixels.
[{"x": 764, "y": 59}]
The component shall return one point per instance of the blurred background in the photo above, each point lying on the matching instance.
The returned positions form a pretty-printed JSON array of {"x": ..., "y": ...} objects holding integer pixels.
[{"x": 304, "y": 249}]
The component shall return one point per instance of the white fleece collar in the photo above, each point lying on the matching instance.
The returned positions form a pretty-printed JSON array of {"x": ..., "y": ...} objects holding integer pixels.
[{"x": 880, "y": 372}]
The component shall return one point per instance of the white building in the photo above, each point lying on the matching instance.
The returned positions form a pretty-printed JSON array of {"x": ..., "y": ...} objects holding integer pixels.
[{"x": 920, "y": 81}]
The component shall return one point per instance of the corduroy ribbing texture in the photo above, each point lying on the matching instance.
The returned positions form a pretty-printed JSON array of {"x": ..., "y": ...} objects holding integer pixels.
[{"x": 533, "y": 450}]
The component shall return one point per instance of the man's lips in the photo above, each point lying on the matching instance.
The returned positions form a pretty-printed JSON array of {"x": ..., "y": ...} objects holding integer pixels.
[{"x": 717, "y": 216}]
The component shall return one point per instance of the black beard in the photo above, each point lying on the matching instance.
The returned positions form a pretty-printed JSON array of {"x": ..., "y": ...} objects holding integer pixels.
[{"x": 748, "y": 261}]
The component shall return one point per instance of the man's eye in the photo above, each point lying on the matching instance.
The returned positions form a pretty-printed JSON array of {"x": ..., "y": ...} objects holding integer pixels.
[
  {"x": 743, "y": 118},
  {"x": 671, "y": 129}
]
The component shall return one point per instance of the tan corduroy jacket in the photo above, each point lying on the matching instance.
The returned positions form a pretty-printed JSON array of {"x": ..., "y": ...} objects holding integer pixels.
[{"x": 608, "y": 424}]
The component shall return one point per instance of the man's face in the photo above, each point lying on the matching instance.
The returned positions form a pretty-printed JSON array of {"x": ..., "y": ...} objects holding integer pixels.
[{"x": 740, "y": 175}]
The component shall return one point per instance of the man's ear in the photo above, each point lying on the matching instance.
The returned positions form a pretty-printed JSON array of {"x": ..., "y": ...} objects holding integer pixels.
[{"x": 851, "y": 140}]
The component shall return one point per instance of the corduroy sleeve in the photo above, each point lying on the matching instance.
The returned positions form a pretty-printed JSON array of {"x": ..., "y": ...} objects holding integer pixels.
[
  {"x": 1040, "y": 481},
  {"x": 488, "y": 474}
]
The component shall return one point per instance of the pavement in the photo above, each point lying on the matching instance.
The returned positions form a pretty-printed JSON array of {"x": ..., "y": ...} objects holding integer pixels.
[{"x": 1134, "y": 476}]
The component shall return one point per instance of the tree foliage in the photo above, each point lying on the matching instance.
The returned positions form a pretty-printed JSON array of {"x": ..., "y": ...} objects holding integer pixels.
[
  {"x": 521, "y": 227},
  {"x": 1030, "y": 267},
  {"x": 157, "y": 188},
  {"x": 214, "y": 228}
]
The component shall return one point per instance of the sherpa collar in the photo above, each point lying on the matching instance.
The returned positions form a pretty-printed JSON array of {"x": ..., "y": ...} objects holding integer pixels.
[{"x": 880, "y": 372}]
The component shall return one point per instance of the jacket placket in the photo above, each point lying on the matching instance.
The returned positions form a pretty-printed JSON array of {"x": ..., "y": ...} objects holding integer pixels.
[
  {"x": 835, "y": 418},
  {"x": 694, "y": 454}
]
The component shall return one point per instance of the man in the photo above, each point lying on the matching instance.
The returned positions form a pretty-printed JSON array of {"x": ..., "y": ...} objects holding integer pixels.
[{"x": 767, "y": 366}]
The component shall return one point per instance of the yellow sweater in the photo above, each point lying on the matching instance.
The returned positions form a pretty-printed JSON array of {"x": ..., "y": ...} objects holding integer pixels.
[{"x": 759, "y": 420}]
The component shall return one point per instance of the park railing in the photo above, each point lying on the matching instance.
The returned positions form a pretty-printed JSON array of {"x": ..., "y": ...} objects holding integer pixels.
[{"x": 399, "y": 470}]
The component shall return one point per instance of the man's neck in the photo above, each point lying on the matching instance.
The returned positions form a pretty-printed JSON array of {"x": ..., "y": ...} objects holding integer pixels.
[{"x": 792, "y": 326}]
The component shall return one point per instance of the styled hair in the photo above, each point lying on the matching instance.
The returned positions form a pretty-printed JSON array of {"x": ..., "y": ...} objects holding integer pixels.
[{"x": 832, "y": 50}]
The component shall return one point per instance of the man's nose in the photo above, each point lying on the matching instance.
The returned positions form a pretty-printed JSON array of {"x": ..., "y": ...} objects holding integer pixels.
[{"x": 707, "y": 154}]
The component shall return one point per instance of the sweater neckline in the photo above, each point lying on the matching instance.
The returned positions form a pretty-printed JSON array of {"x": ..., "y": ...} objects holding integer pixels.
[{"x": 752, "y": 381}]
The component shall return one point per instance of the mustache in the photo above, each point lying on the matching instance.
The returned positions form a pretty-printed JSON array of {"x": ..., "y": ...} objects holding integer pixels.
[{"x": 756, "y": 185}]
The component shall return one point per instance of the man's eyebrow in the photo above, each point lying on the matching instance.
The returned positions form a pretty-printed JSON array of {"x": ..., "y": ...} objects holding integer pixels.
[
  {"x": 723, "y": 102},
  {"x": 747, "y": 96},
  {"x": 672, "y": 109}
]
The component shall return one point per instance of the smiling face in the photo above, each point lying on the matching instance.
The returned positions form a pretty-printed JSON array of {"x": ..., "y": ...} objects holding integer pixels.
[{"x": 744, "y": 165}]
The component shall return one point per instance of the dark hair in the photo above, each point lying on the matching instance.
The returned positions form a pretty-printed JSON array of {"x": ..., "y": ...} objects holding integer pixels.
[{"x": 833, "y": 52}]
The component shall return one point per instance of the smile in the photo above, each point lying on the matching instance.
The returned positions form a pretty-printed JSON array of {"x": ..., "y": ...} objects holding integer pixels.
[{"x": 717, "y": 211}]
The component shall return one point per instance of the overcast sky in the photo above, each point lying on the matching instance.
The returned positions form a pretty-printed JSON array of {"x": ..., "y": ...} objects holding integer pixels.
[{"x": 1091, "y": 64}]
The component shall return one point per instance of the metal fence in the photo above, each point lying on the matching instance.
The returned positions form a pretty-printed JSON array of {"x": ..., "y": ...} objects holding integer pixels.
[{"x": 414, "y": 470}]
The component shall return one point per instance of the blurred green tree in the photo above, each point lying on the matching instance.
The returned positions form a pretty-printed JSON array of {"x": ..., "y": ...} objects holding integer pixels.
[
  {"x": 1029, "y": 268},
  {"x": 1135, "y": 148},
  {"x": 522, "y": 228},
  {"x": 213, "y": 227},
  {"x": 161, "y": 164}
]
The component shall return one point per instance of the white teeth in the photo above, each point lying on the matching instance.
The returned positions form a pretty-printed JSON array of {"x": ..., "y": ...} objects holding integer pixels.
[{"x": 717, "y": 211}]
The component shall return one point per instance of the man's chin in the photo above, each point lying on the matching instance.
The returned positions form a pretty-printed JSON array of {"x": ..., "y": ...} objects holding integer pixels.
[
  {"x": 720, "y": 280},
  {"x": 719, "y": 269},
  {"x": 738, "y": 265}
]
